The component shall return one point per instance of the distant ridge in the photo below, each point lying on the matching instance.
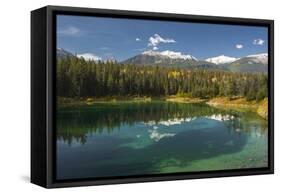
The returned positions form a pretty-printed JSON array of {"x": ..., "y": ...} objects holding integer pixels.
[
  {"x": 249, "y": 63},
  {"x": 61, "y": 53}
]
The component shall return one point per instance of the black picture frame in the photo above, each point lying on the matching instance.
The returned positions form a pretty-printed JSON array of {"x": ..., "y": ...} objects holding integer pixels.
[{"x": 43, "y": 106}]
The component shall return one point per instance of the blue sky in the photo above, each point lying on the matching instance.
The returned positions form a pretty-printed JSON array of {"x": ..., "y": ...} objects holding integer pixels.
[{"x": 123, "y": 38}]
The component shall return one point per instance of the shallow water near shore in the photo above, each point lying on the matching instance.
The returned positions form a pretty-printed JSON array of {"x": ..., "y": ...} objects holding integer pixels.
[{"x": 123, "y": 139}]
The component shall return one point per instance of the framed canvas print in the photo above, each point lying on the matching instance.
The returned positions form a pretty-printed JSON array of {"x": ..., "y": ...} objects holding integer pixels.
[{"x": 124, "y": 96}]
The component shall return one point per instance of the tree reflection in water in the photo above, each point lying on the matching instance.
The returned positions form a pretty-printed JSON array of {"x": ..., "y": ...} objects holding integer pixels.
[{"x": 75, "y": 123}]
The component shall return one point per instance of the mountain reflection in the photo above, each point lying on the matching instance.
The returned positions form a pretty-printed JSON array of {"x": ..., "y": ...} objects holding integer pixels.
[{"x": 74, "y": 124}]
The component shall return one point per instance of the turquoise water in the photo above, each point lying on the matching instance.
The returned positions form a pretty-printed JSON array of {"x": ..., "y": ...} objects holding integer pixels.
[{"x": 121, "y": 139}]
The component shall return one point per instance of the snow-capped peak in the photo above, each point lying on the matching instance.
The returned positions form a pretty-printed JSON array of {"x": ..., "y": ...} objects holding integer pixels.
[
  {"x": 170, "y": 54},
  {"x": 151, "y": 53},
  {"x": 61, "y": 50},
  {"x": 261, "y": 55},
  {"x": 259, "y": 58},
  {"x": 221, "y": 59}
]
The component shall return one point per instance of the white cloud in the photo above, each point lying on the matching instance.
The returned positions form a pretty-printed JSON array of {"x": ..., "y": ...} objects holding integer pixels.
[
  {"x": 70, "y": 31},
  {"x": 154, "y": 40},
  {"x": 239, "y": 46},
  {"x": 258, "y": 41},
  {"x": 155, "y": 48},
  {"x": 138, "y": 39},
  {"x": 89, "y": 56}
]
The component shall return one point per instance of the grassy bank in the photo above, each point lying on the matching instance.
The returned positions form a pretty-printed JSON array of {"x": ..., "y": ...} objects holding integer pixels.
[
  {"x": 241, "y": 104},
  {"x": 234, "y": 103},
  {"x": 64, "y": 101},
  {"x": 238, "y": 103},
  {"x": 181, "y": 99},
  {"x": 263, "y": 109}
]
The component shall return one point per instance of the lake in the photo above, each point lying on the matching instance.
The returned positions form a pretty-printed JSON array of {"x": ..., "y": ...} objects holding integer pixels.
[{"x": 138, "y": 138}]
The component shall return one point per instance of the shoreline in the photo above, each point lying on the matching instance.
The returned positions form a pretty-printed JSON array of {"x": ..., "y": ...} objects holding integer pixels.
[
  {"x": 241, "y": 104},
  {"x": 236, "y": 103}
]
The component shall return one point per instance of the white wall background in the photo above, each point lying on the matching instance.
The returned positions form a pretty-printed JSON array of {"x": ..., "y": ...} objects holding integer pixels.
[{"x": 15, "y": 95}]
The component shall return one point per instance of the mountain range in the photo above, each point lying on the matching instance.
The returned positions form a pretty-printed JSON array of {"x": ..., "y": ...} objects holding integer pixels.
[
  {"x": 250, "y": 63},
  {"x": 61, "y": 53}
]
